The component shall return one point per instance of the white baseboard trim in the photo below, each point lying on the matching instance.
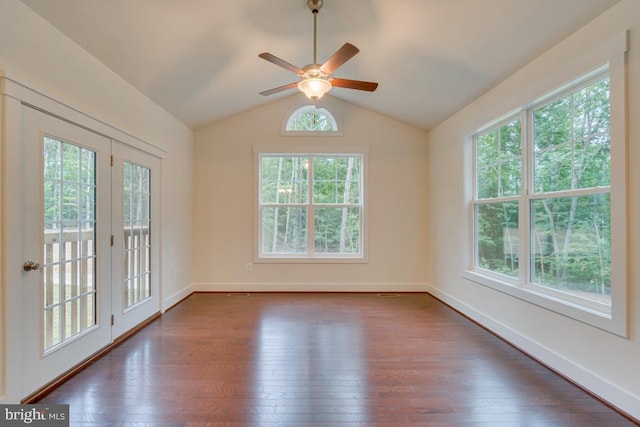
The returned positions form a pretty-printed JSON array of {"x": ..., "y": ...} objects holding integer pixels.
[
  {"x": 174, "y": 299},
  {"x": 612, "y": 394},
  {"x": 310, "y": 287}
]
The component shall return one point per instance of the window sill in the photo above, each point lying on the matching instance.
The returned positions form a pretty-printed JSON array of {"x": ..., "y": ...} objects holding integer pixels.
[
  {"x": 310, "y": 260},
  {"x": 548, "y": 302}
]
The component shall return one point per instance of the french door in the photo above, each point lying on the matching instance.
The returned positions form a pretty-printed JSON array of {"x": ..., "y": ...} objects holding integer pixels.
[
  {"x": 89, "y": 223},
  {"x": 135, "y": 204}
]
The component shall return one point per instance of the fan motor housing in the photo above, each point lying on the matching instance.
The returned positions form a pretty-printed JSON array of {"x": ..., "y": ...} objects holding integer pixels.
[
  {"x": 313, "y": 70},
  {"x": 315, "y": 5}
]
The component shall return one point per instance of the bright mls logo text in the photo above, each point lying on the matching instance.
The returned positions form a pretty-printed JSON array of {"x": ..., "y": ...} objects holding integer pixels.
[{"x": 38, "y": 415}]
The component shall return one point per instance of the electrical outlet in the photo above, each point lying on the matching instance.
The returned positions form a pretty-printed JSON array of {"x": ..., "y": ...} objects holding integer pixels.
[{"x": 249, "y": 266}]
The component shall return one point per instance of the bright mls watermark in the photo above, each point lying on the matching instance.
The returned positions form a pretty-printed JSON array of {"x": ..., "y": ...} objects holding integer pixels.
[{"x": 34, "y": 415}]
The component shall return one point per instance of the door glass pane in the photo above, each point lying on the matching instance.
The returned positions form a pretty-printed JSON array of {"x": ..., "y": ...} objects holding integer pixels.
[
  {"x": 68, "y": 280},
  {"x": 136, "y": 238}
]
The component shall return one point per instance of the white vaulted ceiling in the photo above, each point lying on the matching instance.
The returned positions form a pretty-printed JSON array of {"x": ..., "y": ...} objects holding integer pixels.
[{"x": 198, "y": 59}]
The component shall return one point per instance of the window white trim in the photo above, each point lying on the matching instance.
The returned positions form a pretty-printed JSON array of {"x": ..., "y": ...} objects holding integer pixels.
[
  {"x": 311, "y": 149},
  {"x": 613, "y": 53}
]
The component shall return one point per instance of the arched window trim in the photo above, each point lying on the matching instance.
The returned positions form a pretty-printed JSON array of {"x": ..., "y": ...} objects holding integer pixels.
[{"x": 300, "y": 110}]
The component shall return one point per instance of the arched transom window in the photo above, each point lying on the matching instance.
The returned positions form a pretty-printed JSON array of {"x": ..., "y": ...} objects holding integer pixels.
[{"x": 311, "y": 119}]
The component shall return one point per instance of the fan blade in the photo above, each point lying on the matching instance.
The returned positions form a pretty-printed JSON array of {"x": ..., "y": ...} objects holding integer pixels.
[
  {"x": 280, "y": 62},
  {"x": 279, "y": 89},
  {"x": 345, "y": 53},
  {"x": 354, "y": 84}
]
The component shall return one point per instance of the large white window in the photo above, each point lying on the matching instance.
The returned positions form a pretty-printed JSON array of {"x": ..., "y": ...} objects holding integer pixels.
[
  {"x": 541, "y": 209},
  {"x": 310, "y": 206}
]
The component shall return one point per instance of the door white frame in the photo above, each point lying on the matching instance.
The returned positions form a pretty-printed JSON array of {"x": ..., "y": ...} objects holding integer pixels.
[{"x": 13, "y": 94}]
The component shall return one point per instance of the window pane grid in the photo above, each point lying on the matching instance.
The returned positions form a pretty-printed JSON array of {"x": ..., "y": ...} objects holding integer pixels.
[
  {"x": 337, "y": 240},
  {"x": 319, "y": 213},
  {"x": 570, "y": 246},
  {"x": 284, "y": 179},
  {"x": 568, "y": 207},
  {"x": 571, "y": 143},
  {"x": 498, "y": 162},
  {"x": 497, "y": 237},
  {"x": 284, "y": 230}
]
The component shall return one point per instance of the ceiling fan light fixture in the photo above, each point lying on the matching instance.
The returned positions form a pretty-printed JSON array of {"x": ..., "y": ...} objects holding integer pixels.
[
  {"x": 314, "y": 88},
  {"x": 316, "y": 79}
]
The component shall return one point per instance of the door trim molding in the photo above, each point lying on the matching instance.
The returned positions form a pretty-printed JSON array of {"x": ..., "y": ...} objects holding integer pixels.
[
  {"x": 13, "y": 88},
  {"x": 11, "y": 286}
]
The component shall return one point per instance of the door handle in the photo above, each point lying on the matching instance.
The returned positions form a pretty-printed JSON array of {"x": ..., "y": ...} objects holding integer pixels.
[{"x": 30, "y": 265}]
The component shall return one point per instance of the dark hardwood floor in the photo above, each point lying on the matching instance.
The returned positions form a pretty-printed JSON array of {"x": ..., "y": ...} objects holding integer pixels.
[{"x": 320, "y": 360}]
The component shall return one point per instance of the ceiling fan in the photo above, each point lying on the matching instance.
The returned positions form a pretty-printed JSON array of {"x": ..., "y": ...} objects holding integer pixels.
[{"x": 315, "y": 79}]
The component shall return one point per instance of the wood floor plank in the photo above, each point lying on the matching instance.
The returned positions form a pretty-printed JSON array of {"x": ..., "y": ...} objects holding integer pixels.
[{"x": 321, "y": 360}]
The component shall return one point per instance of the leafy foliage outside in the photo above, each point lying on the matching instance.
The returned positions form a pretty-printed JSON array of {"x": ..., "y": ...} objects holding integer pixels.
[
  {"x": 69, "y": 216},
  {"x": 318, "y": 191},
  {"x": 136, "y": 182},
  {"x": 497, "y": 237},
  {"x": 498, "y": 162},
  {"x": 569, "y": 233},
  {"x": 69, "y": 186},
  {"x": 571, "y": 249}
]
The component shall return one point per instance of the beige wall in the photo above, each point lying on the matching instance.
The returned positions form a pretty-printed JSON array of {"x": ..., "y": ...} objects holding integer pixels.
[
  {"x": 224, "y": 203},
  {"x": 603, "y": 362}
]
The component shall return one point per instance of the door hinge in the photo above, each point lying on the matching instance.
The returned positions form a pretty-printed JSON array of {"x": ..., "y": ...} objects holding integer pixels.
[
  {"x": 112, "y": 161},
  {"x": 113, "y": 320},
  {"x": 112, "y": 238}
]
